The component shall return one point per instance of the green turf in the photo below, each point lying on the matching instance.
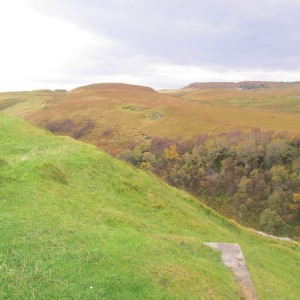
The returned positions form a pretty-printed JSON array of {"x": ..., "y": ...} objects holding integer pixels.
[{"x": 78, "y": 224}]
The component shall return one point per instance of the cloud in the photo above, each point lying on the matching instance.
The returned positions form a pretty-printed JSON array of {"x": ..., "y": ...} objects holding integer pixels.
[
  {"x": 37, "y": 49},
  {"x": 161, "y": 74},
  {"x": 181, "y": 75},
  {"x": 161, "y": 44},
  {"x": 227, "y": 32}
]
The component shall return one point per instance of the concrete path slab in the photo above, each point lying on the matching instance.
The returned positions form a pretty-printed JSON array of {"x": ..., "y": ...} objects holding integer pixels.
[{"x": 233, "y": 258}]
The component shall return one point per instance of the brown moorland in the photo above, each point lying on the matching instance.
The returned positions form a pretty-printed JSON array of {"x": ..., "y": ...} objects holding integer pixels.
[{"x": 123, "y": 114}]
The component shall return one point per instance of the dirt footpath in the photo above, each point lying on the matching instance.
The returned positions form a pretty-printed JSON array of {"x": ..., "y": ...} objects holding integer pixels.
[{"x": 233, "y": 258}]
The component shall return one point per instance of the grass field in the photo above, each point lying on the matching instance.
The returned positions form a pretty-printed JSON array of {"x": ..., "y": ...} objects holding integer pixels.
[
  {"x": 78, "y": 224},
  {"x": 280, "y": 99}
]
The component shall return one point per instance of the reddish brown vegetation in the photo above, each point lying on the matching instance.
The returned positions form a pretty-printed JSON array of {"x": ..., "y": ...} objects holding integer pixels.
[{"x": 70, "y": 127}]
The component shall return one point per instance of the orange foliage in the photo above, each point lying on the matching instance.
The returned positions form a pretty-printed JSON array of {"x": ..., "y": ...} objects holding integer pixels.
[{"x": 171, "y": 153}]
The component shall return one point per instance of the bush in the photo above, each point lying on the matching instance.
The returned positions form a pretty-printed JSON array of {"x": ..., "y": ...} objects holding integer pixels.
[{"x": 270, "y": 221}]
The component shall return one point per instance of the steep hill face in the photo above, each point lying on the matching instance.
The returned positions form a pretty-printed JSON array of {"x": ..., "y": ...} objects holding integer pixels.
[{"x": 78, "y": 224}]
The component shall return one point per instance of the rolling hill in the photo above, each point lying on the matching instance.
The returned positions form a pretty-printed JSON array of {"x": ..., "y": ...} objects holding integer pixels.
[
  {"x": 280, "y": 99},
  {"x": 77, "y": 224},
  {"x": 126, "y": 114},
  {"x": 114, "y": 87}
]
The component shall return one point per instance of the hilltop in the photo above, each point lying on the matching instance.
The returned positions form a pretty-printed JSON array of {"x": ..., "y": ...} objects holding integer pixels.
[
  {"x": 77, "y": 223},
  {"x": 113, "y": 87}
]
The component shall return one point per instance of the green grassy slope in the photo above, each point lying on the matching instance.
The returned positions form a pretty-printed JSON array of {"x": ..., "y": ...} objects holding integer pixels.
[
  {"x": 77, "y": 224},
  {"x": 23, "y": 103}
]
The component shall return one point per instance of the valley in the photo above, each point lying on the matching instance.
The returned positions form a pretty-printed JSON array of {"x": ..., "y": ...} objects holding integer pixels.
[
  {"x": 77, "y": 223},
  {"x": 228, "y": 155}
]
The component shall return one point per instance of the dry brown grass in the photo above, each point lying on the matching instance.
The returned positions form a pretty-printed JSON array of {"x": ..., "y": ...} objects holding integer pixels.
[{"x": 133, "y": 114}]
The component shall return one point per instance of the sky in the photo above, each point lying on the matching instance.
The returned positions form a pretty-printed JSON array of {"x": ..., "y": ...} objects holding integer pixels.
[{"x": 163, "y": 44}]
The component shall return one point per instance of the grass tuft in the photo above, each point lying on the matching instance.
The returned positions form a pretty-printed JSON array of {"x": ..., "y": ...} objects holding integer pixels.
[{"x": 53, "y": 171}]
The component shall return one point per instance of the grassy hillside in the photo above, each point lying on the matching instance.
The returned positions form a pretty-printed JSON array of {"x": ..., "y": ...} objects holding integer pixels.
[
  {"x": 241, "y": 84},
  {"x": 23, "y": 103},
  {"x": 77, "y": 224},
  {"x": 284, "y": 99}
]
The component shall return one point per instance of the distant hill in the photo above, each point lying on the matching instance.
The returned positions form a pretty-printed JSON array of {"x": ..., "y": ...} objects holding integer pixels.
[
  {"x": 114, "y": 87},
  {"x": 238, "y": 85},
  {"x": 77, "y": 224}
]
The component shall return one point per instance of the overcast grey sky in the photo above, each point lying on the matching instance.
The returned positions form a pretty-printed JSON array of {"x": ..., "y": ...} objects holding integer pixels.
[{"x": 163, "y": 44}]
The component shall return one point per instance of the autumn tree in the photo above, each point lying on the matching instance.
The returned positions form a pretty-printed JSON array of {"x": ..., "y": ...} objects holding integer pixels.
[{"x": 171, "y": 153}]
